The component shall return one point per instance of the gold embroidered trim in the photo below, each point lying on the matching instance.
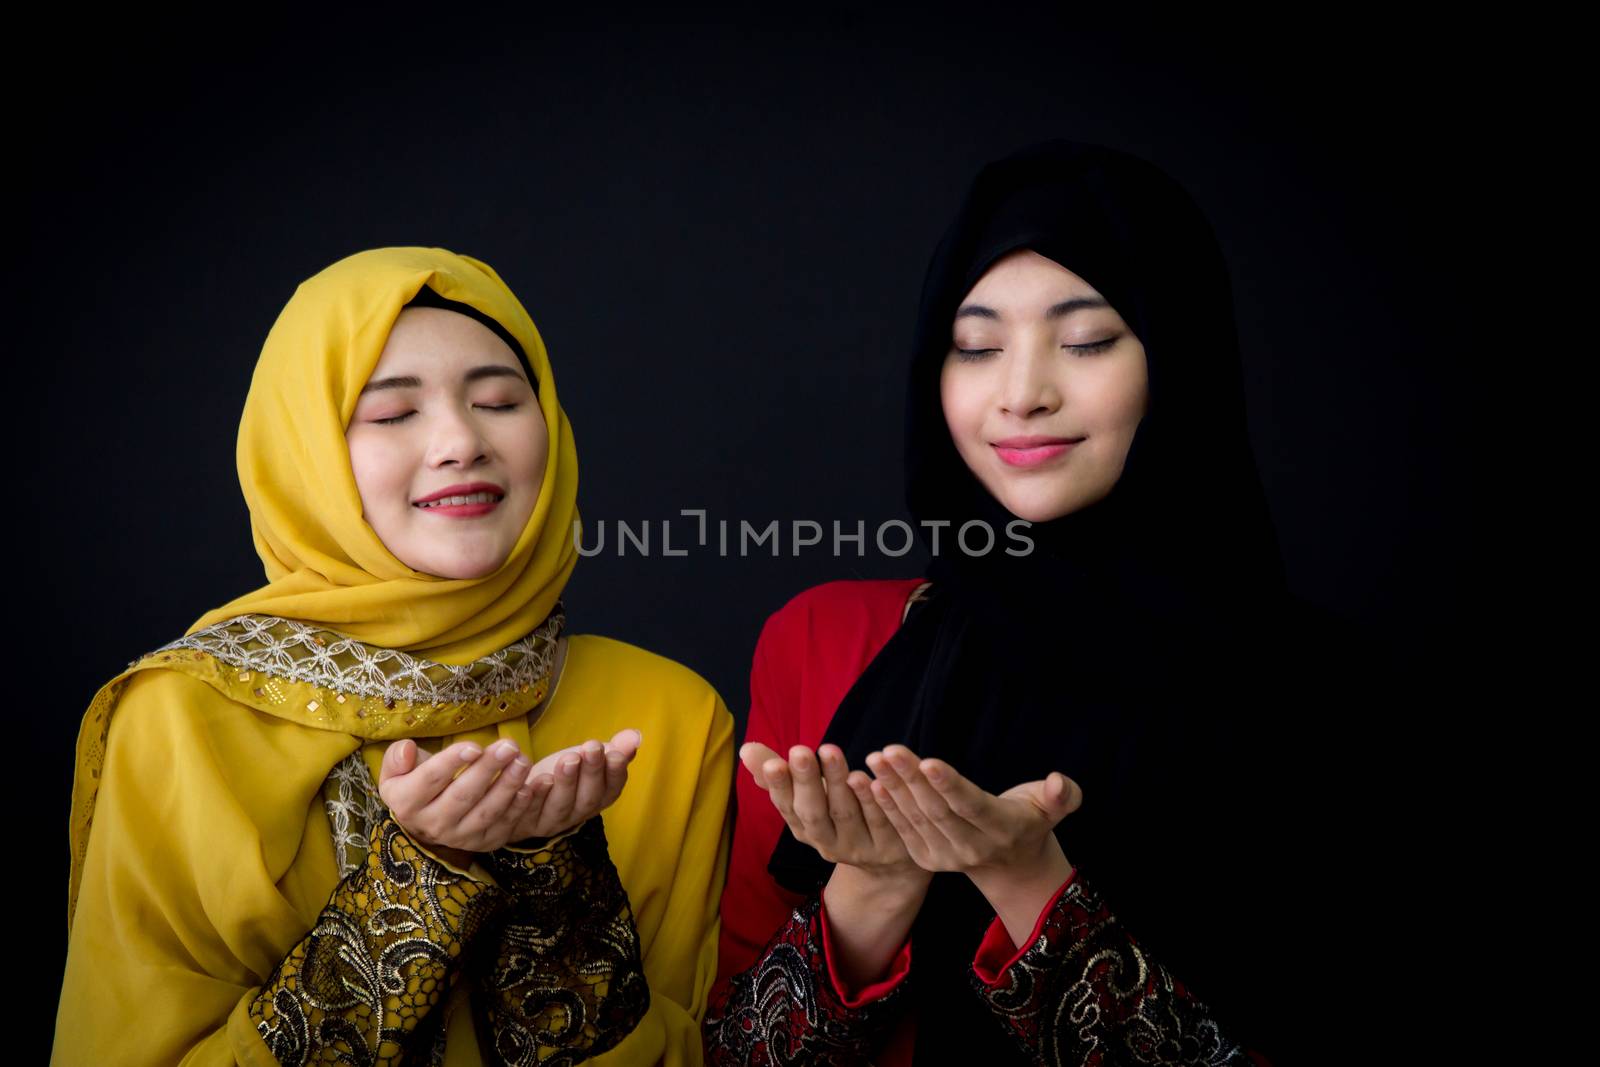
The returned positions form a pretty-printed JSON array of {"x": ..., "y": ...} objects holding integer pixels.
[{"x": 290, "y": 649}]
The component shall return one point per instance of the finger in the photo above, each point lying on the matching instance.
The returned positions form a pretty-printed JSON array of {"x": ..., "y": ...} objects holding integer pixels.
[
  {"x": 901, "y": 826},
  {"x": 877, "y": 823},
  {"x": 464, "y": 791},
  {"x": 591, "y": 779},
  {"x": 780, "y": 790},
  {"x": 1062, "y": 796},
  {"x": 430, "y": 778},
  {"x": 964, "y": 799},
  {"x": 532, "y": 797},
  {"x": 843, "y": 807},
  {"x": 627, "y": 742},
  {"x": 810, "y": 801},
  {"x": 887, "y": 790},
  {"x": 558, "y": 806},
  {"x": 616, "y": 777},
  {"x": 499, "y": 802},
  {"x": 897, "y": 764},
  {"x": 939, "y": 826},
  {"x": 399, "y": 758},
  {"x": 754, "y": 756}
]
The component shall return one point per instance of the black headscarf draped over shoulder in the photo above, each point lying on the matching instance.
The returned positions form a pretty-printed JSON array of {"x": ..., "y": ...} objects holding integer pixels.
[{"x": 1142, "y": 647}]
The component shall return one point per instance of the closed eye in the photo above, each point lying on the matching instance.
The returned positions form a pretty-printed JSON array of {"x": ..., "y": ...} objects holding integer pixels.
[
  {"x": 1092, "y": 347},
  {"x": 393, "y": 419},
  {"x": 968, "y": 354}
]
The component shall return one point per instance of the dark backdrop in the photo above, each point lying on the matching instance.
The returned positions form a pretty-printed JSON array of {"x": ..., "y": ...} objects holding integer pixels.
[{"x": 721, "y": 233}]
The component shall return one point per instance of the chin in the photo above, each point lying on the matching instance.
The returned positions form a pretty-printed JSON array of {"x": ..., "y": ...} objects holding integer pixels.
[
  {"x": 461, "y": 569},
  {"x": 1037, "y": 508}
]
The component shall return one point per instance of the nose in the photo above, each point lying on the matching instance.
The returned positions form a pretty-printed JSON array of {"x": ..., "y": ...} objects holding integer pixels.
[
  {"x": 456, "y": 441},
  {"x": 1030, "y": 386}
]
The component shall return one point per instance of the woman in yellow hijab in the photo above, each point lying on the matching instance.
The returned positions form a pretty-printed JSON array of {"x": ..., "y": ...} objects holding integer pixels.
[{"x": 265, "y": 870}]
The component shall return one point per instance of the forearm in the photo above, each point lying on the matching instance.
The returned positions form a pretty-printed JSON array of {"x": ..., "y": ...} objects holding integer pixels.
[{"x": 869, "y": 917}]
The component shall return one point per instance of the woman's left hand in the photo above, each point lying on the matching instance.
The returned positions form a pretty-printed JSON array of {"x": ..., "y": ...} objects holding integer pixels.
[
  {"x": 1005, "y": 844},
  {"x": 577, "y": 783},
  {"x": 949, "y": 824}
]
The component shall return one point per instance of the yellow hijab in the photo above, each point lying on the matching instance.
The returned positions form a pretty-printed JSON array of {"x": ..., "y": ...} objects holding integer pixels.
[
  {"x": 426, "y": 656},
  {"x": 324, "y": 564}
]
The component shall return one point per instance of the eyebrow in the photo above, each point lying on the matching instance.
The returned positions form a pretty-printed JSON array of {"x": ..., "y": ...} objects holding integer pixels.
[
  {"x": 411, "y": 381},
  {"x": 1056, "y": 311}
]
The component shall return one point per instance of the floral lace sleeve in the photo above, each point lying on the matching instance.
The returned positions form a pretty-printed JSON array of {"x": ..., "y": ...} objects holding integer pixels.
[
  {"x": 1085, "y": 993},
  {"x": 362, "y": 986},
  {"x": 786, "y": 1008},
  {"x": 567, "y": 978}
]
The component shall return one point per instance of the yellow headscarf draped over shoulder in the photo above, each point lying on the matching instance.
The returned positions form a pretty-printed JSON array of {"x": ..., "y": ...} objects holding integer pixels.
[{"x": 325, "y": 564}]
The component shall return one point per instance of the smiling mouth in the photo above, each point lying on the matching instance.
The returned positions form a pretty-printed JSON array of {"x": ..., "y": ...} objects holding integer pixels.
[
  {"x": 459, "y": 501},
  {"x": 1033, "y": 451}
]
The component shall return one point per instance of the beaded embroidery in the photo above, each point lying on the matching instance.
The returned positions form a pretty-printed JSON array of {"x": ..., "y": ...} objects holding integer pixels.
[{"x": 288, "y": 648}]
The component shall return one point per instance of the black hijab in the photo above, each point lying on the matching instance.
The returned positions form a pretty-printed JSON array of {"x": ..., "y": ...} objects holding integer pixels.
[{"x": 1144, "y": 645}]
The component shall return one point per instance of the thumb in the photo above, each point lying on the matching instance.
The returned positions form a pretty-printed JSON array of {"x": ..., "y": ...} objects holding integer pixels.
[
  {"x": 1061, "y": 796},
  {"x": 399, "y": 758}
]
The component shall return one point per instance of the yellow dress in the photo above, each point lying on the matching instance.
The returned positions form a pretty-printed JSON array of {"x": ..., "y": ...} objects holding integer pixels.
[{"x": 211, "y": 855}]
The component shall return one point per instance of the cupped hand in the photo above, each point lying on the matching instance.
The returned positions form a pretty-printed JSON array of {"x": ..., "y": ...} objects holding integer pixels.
[
  {"x": 829, "y": 806},
  {"x": 576, "y": 784},
  {"x": 949, "y": 824},
  {"x": 463, "y": 800}
]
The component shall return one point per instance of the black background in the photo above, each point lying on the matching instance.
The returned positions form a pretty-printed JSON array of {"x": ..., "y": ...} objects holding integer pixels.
[{"x": 720, "y": 231}]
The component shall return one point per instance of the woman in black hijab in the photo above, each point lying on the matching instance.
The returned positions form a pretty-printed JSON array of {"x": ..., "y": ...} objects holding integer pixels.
[{"x": 1143, "y": 657}]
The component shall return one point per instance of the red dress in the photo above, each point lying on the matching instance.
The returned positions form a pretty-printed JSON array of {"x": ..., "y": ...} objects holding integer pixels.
[{"x": 777, "y": 998}]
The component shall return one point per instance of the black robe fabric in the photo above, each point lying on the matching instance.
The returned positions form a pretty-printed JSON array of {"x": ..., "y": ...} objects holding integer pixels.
[{"x": 1147, "y": 647}]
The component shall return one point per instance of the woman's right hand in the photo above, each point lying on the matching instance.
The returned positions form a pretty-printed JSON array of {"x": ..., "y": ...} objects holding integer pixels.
[
  {"x": 463, "y": 800},
  {"x": 831, "y": 810}
]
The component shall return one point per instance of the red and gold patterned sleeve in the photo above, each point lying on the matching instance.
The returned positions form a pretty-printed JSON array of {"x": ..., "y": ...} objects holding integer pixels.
[
  {"x": 1084, "y": 992},
  {"x": 790, "y": 1008}
]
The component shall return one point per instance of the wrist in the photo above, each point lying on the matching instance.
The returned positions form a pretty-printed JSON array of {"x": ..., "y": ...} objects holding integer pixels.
[
  {"x": 454, "y": 857},
  {"x": 1024, "y": 880},
  {"x": 883, "y": 889}
]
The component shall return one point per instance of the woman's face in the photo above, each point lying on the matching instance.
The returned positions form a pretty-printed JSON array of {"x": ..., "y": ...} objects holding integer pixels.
[
  {"x": 448, "y": 445},
  {"x": 1043, "y": 387}
]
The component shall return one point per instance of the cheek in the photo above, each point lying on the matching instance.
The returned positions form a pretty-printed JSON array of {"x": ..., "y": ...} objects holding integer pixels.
[
  {"x": 526, "y": 446},
  {"x": 1119, "y": 400},
  {"x": 963, "y": 406},
  {"x": 374, "y": 468}
]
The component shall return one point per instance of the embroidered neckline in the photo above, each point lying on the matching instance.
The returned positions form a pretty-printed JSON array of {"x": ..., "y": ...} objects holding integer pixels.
[{"x": 300, "y": 652}]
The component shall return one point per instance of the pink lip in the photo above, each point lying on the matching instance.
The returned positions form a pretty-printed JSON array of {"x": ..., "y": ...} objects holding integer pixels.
[{"x": 1032, "y": 451}]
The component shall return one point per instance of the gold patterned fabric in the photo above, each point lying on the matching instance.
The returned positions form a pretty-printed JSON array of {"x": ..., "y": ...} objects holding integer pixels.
[
  {"x": 566, "y": 978},
  {"x": 363, "y": 985}
]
